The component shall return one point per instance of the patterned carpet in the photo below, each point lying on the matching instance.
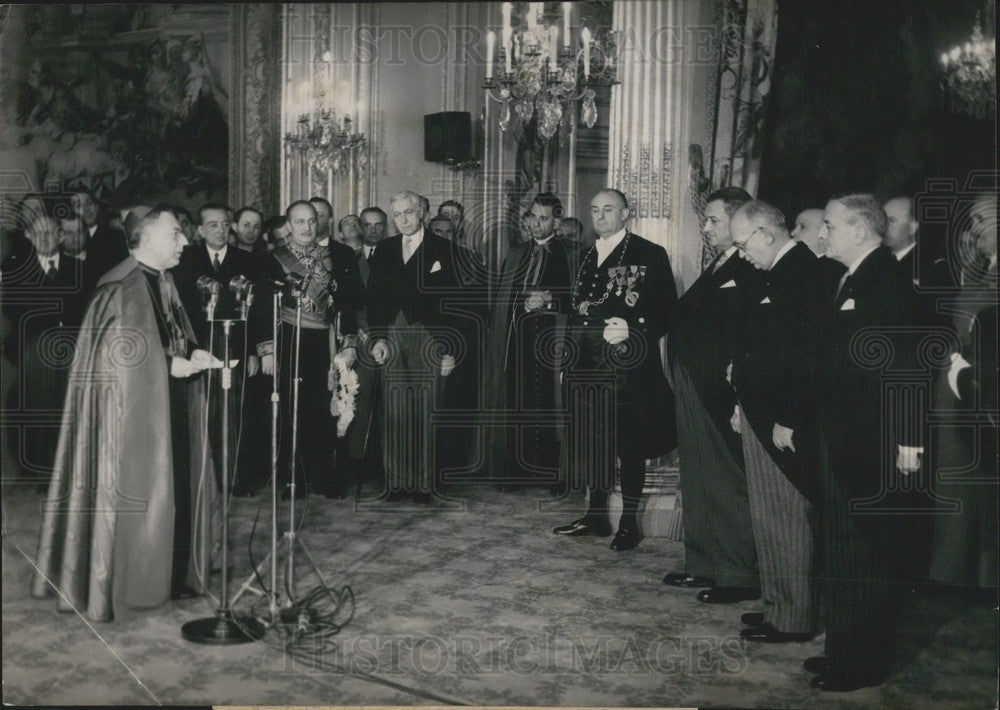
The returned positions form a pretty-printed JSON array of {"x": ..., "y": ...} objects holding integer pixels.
[{"x": 469, "y": 600}]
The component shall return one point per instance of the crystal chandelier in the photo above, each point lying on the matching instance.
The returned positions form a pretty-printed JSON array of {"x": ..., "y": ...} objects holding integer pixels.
[
  {"x": 969, "y": 75},
  {"x": 320, "y": 139},
  {"x": 541, "y": 74}
]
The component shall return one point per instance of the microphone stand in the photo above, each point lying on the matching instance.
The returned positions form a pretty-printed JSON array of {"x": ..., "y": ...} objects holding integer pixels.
[
  {"x": 223, "y": 629},
  {"x": 273, "y": 554},
  {"x": 291, "y": 536}
]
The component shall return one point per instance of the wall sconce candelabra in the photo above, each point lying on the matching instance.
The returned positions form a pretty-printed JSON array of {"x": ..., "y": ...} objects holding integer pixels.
[
  {"x": 327, "y": 144},
  {"x": 969, "y": 74},
  {"x": 320, "y": 140},
  {"x": 539, "y": 74}
]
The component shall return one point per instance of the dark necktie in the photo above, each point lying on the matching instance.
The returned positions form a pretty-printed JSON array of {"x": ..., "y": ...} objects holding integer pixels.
[
  {"x": 52, "y": 272},
  {"x": 371, "y": 253},
  {"x": 844, "y": 288},
  {"x": 719, "y": 261},
  {"x": 216, "y": 264}
]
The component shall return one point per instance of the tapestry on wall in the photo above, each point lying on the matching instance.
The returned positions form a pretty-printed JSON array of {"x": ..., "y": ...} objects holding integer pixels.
[{"x": 130, "y": 101}]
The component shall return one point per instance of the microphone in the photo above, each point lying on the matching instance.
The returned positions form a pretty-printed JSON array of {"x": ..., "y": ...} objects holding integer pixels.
[
  {"x": 293, "y": 280},
  {"x": 243, "y": 288},
  {"x": 206, "y": 284}
]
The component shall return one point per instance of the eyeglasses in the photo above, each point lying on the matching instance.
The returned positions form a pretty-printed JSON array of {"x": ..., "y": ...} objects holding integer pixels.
[{"x": 742, "y": 246}]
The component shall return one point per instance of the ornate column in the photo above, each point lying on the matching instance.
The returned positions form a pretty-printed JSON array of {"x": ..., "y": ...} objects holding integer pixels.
[
  {"x": 255, "y": 125},
  {"x": 691, "y": 89}
]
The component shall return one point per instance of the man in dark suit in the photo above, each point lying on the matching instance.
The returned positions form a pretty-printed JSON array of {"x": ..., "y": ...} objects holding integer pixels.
[
  {"x": 718, "y": 534},
  {"x": 212, "y": 256},
  {"x": 363, "y": 437},
  {"x": 964, "y": 542},
  {"x": 809, "y": 230},
  {"x": 533, "y": 300},
  {"x": 414, "y": 339},
  {"x": 620, "y": 404},
  {"x": 105, "y": 246},
  {"x": 43, "y": 304},
  {"x": 773, "y": 370},
  {"x": 867, "y": 444}
]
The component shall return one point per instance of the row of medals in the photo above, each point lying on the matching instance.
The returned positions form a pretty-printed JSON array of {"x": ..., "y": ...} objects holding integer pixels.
[{"x": 627, "y": 275}]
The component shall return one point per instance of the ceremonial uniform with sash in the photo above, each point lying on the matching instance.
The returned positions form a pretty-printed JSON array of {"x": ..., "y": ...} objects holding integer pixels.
[{"x": 331, "y": 293}]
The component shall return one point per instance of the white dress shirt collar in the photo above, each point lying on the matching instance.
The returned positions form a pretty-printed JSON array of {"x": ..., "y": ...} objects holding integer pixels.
[
  {"x": 901, "y": 254},
  {"x": 221, "y": 252},
  {"x": 789, "y": 245},
  {"x": 43, "y": 261},
  {"x": 606, "y": 245},
  {"x": 415, "y": 240},
  {"x": 857, "y": 262}
]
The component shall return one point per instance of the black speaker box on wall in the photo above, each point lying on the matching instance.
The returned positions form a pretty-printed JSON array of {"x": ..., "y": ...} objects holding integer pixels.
[{"x": 447, "y": 137}]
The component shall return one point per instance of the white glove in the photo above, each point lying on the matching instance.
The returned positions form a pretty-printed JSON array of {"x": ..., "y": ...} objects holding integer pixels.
[
  {"x": 267, "y": 364},
  {"x": 736, "y": 421},
  {"x": 347, "y": 356},
  {"x": 782, "y": 437},
  {"x": 182, "y": 367},
  {"x": 447, "y": 365},
  {"x": 616, "y": 330},
  {"x": 958, "y": 363},
  {"x": 380, "y": 351},
  {"x": 908, "y": 460}
]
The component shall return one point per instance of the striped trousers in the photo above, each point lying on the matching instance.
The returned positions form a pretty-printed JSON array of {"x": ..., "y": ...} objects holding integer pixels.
[{"x": 784, "y": 538}]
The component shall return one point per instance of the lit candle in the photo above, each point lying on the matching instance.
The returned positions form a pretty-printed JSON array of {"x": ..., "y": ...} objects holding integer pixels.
[
  {"x": 586, "y": 52},
  {"x": 303, "y": 106},
  {"x": 491, "y": 38},
  {"x": 505, "y": 37},
  {"x": 566, "y": 9},
  {"x": 554, "y": 44},
  {"x": 531, "y": 17}
]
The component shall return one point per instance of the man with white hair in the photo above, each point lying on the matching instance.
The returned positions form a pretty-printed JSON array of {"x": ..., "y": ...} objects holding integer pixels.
[
  {"x": 119, "y": 523},
  {"x": 773, "y": 368},
  {"x": 412, "y": 336}
]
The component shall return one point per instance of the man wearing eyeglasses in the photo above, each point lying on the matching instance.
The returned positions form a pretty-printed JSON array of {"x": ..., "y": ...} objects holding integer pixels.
[
  {"x": 773, "y": 366},
  {"x": 718, "y": 535}
]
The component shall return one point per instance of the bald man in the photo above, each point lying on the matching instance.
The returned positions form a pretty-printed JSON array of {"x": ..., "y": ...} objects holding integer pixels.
[
  {"x": 809, "y": 230},
  {"x": 622, "y": 299},
  {"x": 773, "y": 375}
]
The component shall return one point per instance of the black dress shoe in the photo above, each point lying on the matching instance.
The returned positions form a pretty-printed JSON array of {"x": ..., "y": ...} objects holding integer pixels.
[
  {"x": 393, "y": 496},
  {"x": 625, "y": 539},
  {"x": 753, "y": 618},
  {"x": 728, "y": 595},
  {"x": 184, "y": 593},
  {"x": 243, "y": 493},
  {"x": 335, "y": 493},
  {"x": 687, "y": 581},
  {"x": 838, "y": 683},
  {"x": 817, "y": 664},
  {"x": 423, "y": 497},
  {"x": 768, "y": 634},
  {"x": 585, "y": 526}
]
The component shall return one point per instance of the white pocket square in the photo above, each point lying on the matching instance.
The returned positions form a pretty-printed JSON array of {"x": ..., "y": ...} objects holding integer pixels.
[
  {"x": 767, "y": 299},
  {"x": 436, "y": 266},
  {"x": 848, "y": 305},
  {"x": 729, "y": 284}
]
